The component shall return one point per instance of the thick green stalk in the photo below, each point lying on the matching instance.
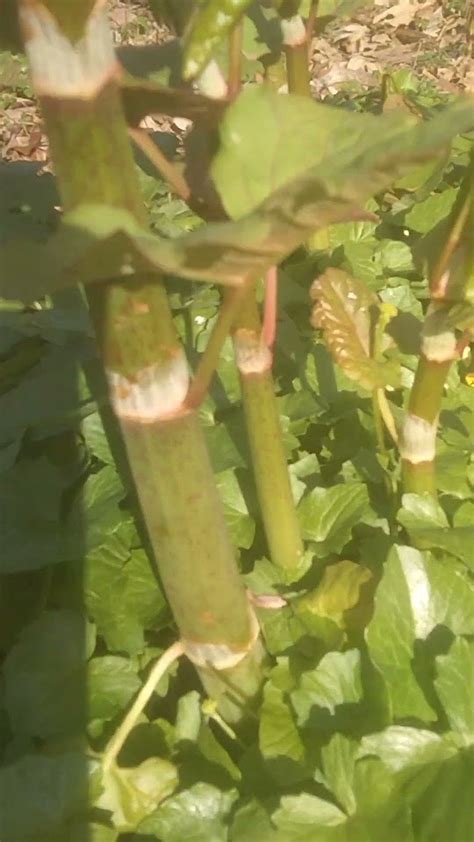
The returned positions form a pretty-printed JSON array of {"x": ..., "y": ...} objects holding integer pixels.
[
  {"x": 254, "y": 360},
  {"x": 418, "y": 445},
  {"x": 295, "y": 45},
  {"x": 452, "y": 282},
  {"x": 144, "y": 362}
]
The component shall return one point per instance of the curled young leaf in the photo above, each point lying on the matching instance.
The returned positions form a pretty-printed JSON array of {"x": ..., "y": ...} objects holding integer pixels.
[{"x": 347, "y": 312}]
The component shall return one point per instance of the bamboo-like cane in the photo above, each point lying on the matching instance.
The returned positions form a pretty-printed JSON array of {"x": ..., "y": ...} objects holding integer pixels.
[
  {"x": 74, "y": 71},
  {"x": 451, "y": 278}
]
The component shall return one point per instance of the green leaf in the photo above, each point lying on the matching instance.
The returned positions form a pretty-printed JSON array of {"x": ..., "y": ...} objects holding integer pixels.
[
  {"x": 238, "y": 519},
  {"x": 111, "y": 684},
  {"x": 406, "y": 750},
  {"x": 45, "y": 675},
  {"x": 210, "y": 25},
  {"x": 93, "y": 431},
  {"x": 454, "y": 683},
  {"x": 338, "y": 759},
  {"x": 252, "y": 824},
  {"x": 428, "y": 527},
  {"x": 337, "y": 592},
  {"x": 400, "y": 616},
  {"x": 131, "y": 794},
  {"x": 335, "y": 681},
  {"x": 40, "y": 794},
  {"x": 342, "y": 151},
  {"x": 423, "y": 216},
  {"x": 347, "y": 312},
  {"x": 328, "y": 515},
  {"x": 278, "y": 735},
  {"x": 198, "y": 814},
  {"x": 95, "y": 513},
  {"x": 305, "y": 818},
  {"x": 445, "y": 809},
  {"x": 122, "y": 594},
  {"x": 417, "y": 593}
]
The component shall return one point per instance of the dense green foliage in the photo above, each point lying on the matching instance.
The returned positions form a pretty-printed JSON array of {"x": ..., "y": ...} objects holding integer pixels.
[{"x": 365, "y": 729}]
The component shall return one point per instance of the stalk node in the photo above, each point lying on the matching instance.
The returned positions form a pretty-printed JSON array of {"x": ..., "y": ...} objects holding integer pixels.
[
  {"x": 64, "y": 69},
  {"x": 219, "y": 656},
  {"x": 418, "y": 443},
  {"x": 251, "y": 354},
  {"x": 156, "y": 393}
]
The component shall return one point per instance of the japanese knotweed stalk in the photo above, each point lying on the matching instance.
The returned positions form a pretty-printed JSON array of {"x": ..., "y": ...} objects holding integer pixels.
[
  {"x": 254, "y": 359},
  {"x": 75, "y": 72},
  {"x": 295, "y": 46},
  {"x": 452, "y": 300}
]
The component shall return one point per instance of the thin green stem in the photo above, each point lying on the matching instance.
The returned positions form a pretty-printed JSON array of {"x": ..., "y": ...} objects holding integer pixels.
[
  {"x": 295, "y": 46},
  {"x": 157, "y": 672},
  {"x": 452, "y": 279},
  {"x": 209, "y": 360},
  {"x": 265, "y": 439},
  {"x": 166, "y": 169}
]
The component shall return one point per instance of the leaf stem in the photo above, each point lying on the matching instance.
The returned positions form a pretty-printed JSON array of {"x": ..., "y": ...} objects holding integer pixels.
[
  {"x": 209, "y": 360},
  {"x": 154, "y": 154},
  {"x": 387, "y": 415},
  {"x": 158, "y": 670}
]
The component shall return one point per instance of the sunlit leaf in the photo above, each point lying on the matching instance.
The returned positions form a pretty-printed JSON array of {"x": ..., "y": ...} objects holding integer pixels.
[
  {"x": 454, "y": 682},
  {"x": 347, "y": 312},
  {"x": 133, "y": 793}
]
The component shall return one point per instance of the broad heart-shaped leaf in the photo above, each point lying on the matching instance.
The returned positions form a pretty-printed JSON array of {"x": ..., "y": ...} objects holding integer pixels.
[
  {"x": 445, "y": 809},
  {"x": 95, "y": 513},
  {"x": 133, "y": 793},
  {"x": 198, "y": 814},
  {"x": 307, "y": 818},
  {"x": 278, "y": 734},
  {"x": 337, "y": 592},
  {"x": 417, "y": 593},
  {"x": 454, "y": 684},
  {"x": 268, "y": 139},
  {"x": 121, "y": 592},
  {"x": 404, "y": 750},
  {"x": 238, "y": 519},
  {"x": 328, "y": 515},
  {"x": 98, "y": 242},
  {"x": 40, "y": 794},
  {"x": 428, "y": 526},
  {"x": 45, "y": 675},
  {"x": 111, "y": 684},
  {"x": 335, "y": 681},
  {"x": 347, "y": 311},
  {"x": 209, "y": 26},
  {"x": 252, "y": 824},
  {"x": 375, "y": 780},
  {"x": 338, "y": 760}
]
